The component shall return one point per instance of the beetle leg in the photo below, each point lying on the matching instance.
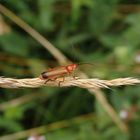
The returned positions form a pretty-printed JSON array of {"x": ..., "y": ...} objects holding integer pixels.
[
  {"x": 59, "y": 83},
  {"x": 75, "y": 78},
  {"x": 49, "y": 80}
]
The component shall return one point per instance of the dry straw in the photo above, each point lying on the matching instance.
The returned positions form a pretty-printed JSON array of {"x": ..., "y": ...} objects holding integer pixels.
[{"x": 67, "y": 82}]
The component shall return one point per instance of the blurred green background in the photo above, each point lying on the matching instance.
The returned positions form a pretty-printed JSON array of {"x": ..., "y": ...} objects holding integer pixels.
[{"x": 103, "y": 32}]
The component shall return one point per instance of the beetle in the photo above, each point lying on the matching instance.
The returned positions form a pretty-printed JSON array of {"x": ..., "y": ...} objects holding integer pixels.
[{"x": 54, "y": 73}]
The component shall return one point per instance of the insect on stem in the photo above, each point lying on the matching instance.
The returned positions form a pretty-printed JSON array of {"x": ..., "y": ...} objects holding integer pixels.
[{"x": 54, "y": 73}]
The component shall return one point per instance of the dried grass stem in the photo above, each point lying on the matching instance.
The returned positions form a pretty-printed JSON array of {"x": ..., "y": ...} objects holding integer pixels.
[{"x": 67, "y": 82}]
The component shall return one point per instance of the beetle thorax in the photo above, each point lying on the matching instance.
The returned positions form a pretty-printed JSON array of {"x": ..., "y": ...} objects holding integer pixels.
[{"x": 71, "y": 67}]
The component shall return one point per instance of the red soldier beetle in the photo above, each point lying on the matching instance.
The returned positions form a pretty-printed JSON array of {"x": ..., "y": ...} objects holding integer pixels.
[{"x": 54, "y": 73}]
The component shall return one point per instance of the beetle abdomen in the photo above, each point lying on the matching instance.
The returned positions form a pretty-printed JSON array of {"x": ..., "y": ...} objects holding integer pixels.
[{"x": 44, "y": 75}]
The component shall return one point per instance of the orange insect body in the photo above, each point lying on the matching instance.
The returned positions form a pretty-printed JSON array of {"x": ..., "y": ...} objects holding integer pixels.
[{"x": 58, "y": 72}]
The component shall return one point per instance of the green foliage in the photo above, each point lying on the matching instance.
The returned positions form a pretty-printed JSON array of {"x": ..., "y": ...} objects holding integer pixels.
[
  {"x": 14, "y": 43},
  {"x": 46, "y": 14},
  {"x": 93, "y": 31}
]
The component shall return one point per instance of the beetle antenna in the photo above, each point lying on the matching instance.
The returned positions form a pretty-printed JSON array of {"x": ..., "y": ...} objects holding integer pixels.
[{"x": 82, "y": 63}]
